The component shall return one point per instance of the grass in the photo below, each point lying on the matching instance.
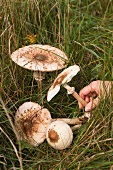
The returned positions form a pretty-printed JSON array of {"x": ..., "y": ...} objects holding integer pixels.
[{"x": 84, "y": 31}]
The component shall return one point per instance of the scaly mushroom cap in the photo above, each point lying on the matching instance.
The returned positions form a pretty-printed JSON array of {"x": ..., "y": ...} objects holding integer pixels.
[
  {"x": 31, "y": 122},
  {"x": 64, "y": 77},
  {"x": 59, "y": 135},
  {"x": 40, "y": 58}
]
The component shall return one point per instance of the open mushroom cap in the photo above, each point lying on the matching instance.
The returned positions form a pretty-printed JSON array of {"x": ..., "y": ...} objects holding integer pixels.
[
  {"x": 31, "y": 122},
  {"x": 64, "y": 77},
  {"x": 59, "y": 135},
  {"x": 39, "y": 57}
]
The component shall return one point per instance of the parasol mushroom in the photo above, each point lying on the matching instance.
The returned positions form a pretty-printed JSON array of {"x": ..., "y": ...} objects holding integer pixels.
[
  {"x": 31, "y": 122},
  {"x": 62, "y": 79},
  {"x": 40, "y": 59},
  {"x": 59, "y": 135}
]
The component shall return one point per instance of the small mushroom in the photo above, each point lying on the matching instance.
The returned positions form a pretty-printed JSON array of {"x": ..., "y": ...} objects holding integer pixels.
[
  {"x": 59, "y": 135},
  {"x": 40, "y": 59},
  {"x": 62, "y": 79},
  {"x": 31, "y": 122}
]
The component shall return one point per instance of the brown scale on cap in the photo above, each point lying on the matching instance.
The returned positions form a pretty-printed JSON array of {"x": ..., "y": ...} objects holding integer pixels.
[
  {"x": 53, "y": 136},
  {"x": 59, "y": 80},
  {"x": 30, "y": 123},
  {"x": 40, "y": 57}
]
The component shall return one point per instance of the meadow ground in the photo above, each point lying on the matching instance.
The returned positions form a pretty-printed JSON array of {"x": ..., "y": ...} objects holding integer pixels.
[{"x": 83, "y": 29}]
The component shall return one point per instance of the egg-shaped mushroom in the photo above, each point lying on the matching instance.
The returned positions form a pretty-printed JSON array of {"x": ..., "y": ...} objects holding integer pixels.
[
  {"x": 59, "y": 135},
  {"x": 31, "y": 121}
]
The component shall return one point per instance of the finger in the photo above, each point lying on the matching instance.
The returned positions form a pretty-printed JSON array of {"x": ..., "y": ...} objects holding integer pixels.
[
  {"x": 85, "y": 91},
  {"x": 84, "y": 97},
  {"x": 92, "y": 104},
  {"x": 87, "y": 99},
  {"x": 80, "y": 105}
]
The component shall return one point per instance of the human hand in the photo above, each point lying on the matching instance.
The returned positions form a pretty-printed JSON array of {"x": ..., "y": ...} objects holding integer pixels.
[{"x": 101, "y": 88}]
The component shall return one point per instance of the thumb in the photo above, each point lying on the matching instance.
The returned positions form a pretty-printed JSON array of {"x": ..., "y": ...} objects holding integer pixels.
[{"x": 92, "y": 104}]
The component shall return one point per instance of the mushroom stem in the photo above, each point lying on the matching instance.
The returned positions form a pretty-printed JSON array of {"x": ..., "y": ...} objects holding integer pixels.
[
  {"x": 39, "y": 76},
  {"x": 75, "y": 94},
  {"x": 75, "y": 127},
  {"x": 69, "y": 121},
  {"x": 77, "y": 122}
]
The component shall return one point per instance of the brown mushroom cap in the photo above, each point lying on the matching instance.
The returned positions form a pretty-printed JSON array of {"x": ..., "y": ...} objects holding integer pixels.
[
  {"x": 40, "y": 58},
  {"x": 31, "y": 122}
]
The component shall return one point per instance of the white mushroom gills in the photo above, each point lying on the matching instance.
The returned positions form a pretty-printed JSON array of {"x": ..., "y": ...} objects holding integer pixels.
[
  {"x": 31, "y": 122},
  {"x": 59, "y": 135}
]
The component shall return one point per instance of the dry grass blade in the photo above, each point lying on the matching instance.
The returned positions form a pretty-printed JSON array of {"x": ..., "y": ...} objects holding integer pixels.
[
  {"x": 14, "y": 147},
  {"x": 9, "y": 118},
  {"x": 16, "y": 134}
]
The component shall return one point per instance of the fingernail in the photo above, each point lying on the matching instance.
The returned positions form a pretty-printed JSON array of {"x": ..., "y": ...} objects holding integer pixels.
[{"x": 87, "y": 108}]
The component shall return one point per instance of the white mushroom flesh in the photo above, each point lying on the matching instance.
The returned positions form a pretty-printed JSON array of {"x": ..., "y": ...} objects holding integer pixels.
[
  {"x": 31, "y": 122},
  {"x": 59, "y": 135},
  {"x": 40, "y": 57}
]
